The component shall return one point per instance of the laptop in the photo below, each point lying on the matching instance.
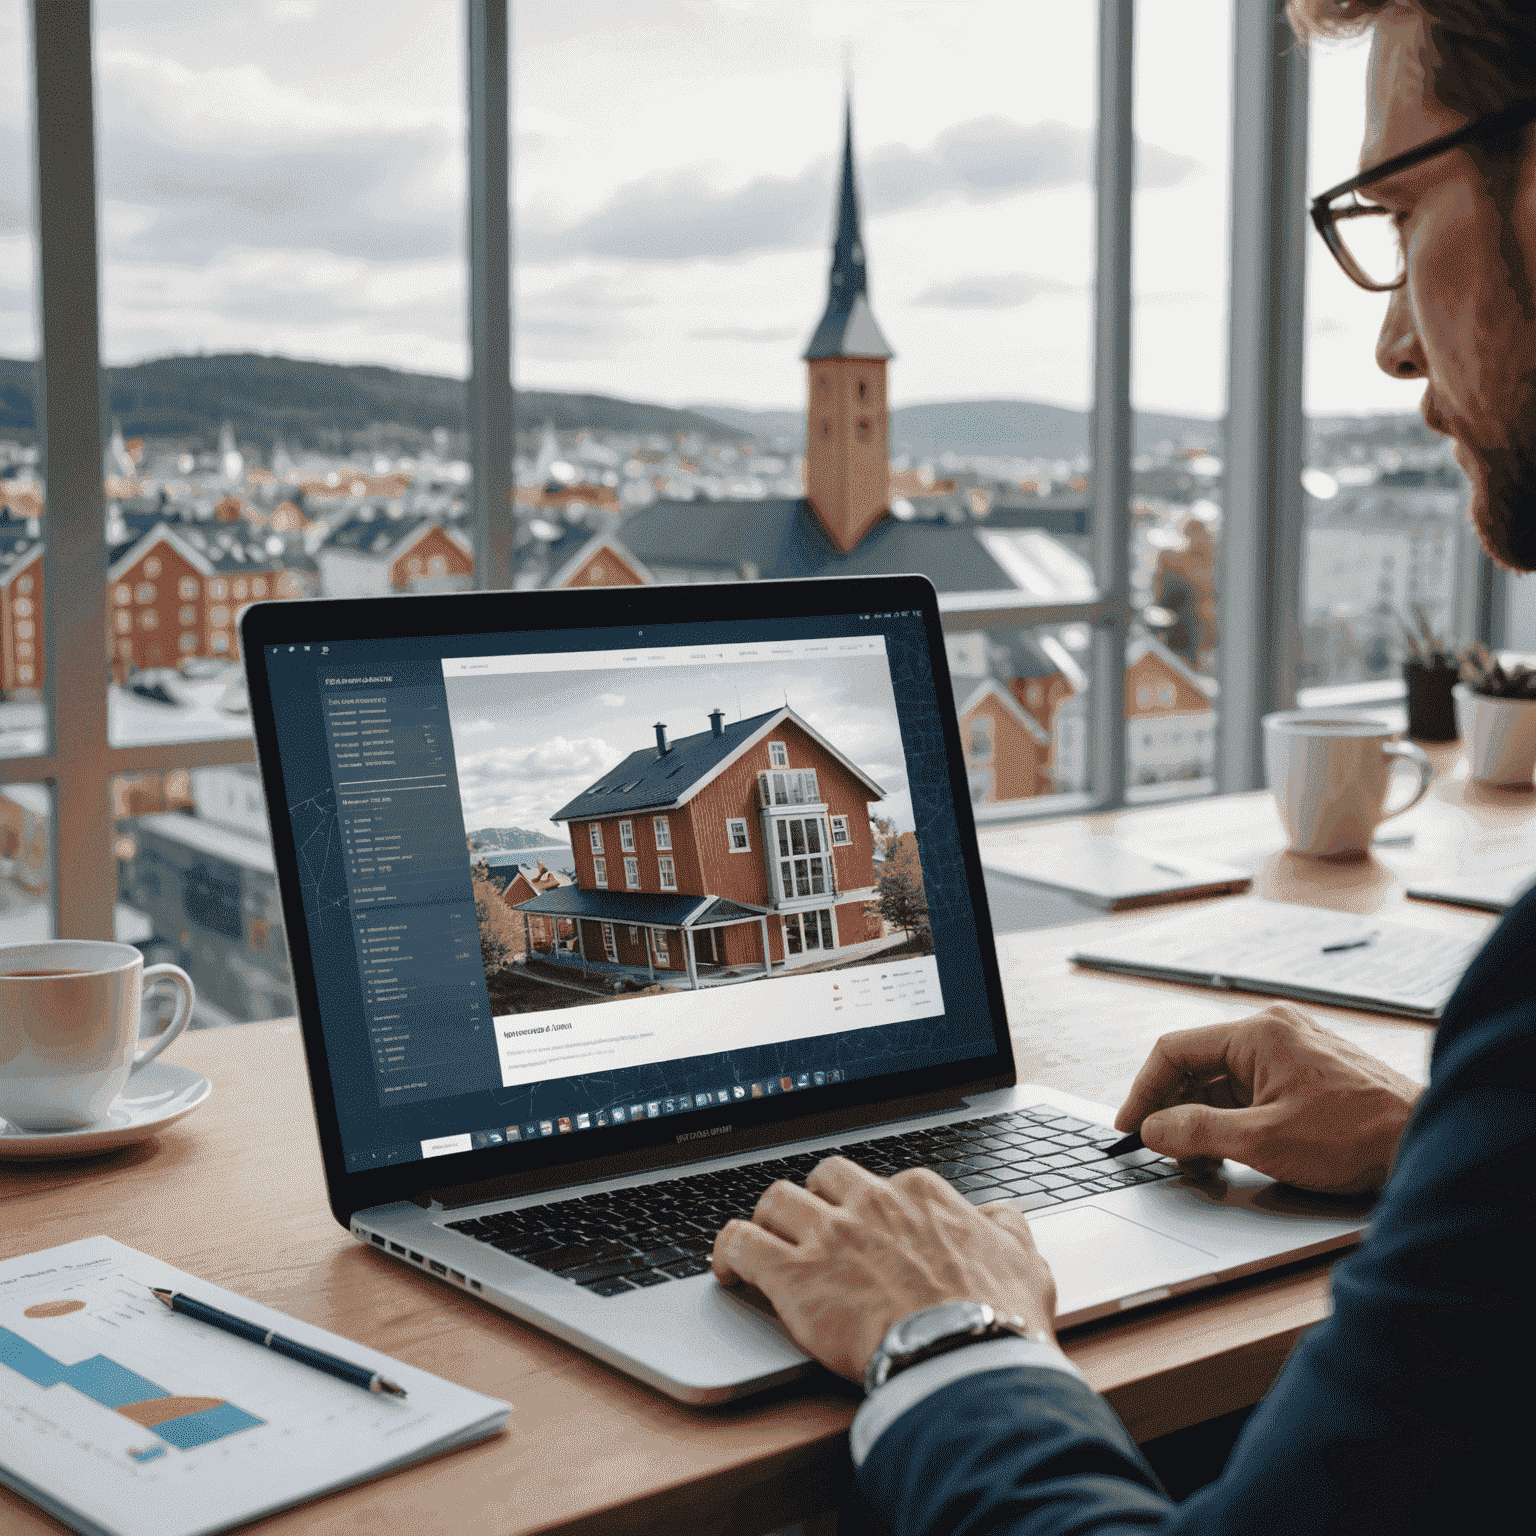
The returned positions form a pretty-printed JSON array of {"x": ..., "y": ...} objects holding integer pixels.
[{"x": 606, "y": 908}]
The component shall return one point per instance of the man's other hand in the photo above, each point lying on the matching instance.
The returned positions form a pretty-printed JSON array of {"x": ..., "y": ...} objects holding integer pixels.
[
  {"x": 1278, "y": 1092},
  {"x": 850, "y": 1254}
]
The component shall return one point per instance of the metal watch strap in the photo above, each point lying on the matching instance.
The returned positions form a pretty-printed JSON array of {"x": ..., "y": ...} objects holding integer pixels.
[{"x": 884, "y": 1364}]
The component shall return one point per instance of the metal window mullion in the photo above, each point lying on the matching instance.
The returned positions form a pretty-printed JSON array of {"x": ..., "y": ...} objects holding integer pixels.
[
  {"x": 74, "y": 556},
  {"x": 490, "y": 291},
  {"x": 1259, "y": 582},
  {"x": 1111, "y": 439}
]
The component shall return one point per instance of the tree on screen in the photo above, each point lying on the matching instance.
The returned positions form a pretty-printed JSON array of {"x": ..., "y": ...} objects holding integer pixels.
[{"x": 899, "y": 895}]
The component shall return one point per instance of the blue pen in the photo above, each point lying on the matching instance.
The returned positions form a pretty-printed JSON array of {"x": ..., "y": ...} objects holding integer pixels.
[{"x": 358, "y": 1375}]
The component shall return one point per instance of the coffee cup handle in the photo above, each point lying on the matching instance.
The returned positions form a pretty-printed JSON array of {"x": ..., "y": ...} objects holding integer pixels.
[
  {"x": 1420, "y": 760},
  {"x": 183, "y": 984}
]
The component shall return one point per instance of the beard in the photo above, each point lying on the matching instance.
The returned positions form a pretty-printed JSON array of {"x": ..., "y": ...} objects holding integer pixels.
[{"x": 1503, "y": 507}]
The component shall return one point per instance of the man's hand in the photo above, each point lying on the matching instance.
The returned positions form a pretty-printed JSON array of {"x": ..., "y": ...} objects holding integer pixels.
[
  {"x": 1278, "y": 1092},
  {"x": 850, "y": 1254}
]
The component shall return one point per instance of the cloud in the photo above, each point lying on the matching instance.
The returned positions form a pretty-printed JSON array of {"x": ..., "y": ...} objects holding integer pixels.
[
  {"x": 557, "y": 758},
  {"x": 612, "y": 700},
  {"x": 999, "y": 290},
  {"x": 743, "y": 333},
  {"x": 683, "y": 213},
  {"x": 474, "y": 728}
]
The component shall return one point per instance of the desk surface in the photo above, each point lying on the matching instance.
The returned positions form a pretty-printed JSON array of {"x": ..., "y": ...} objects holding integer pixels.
[{"x": 235, "y": 1193}]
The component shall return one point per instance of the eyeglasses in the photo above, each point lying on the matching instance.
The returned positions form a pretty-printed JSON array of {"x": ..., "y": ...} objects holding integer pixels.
[{"x": 1361, "y": 235}]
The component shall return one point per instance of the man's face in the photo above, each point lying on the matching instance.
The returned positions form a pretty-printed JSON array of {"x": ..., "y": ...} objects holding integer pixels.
[{"x": 1466, "y": 318}]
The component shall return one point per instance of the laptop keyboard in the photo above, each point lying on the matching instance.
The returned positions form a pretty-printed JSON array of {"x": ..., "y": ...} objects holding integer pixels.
[{"x": 625, "y": 1239}]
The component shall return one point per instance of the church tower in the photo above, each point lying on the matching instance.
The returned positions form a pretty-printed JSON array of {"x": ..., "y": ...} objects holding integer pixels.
[{"x": 847, "y": 452}]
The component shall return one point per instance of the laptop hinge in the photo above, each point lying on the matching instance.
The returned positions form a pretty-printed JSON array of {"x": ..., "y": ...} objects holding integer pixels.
[{"x": 810, "y": 1127}]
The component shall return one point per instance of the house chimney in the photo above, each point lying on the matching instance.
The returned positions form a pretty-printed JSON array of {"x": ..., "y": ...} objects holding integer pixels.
[
  {"x": 717, "y": 722},
  {"x": 661, "y": 740}
]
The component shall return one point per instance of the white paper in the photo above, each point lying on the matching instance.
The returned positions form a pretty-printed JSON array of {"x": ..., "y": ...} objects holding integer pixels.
[
  {"x": 1264, "y": 946},
  {"x": 1491, "y": 891},
  {"x": 83, "y": 1315},
  {"x": 1105, "y": 870}
]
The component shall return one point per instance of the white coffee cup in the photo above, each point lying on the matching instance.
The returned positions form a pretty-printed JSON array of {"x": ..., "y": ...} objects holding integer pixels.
[
  {"x": 69, "y": 1026},
  {"x": 1329, "y": 770}
]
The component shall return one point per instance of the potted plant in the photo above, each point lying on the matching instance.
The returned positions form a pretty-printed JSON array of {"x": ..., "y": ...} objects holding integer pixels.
[
  {"x": 1430, "y": 672},
  {"x": 1496, "y": 709}
]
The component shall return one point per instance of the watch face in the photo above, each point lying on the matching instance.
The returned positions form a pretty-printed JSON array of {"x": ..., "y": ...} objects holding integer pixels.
[{"x": 940, "y": 1322}]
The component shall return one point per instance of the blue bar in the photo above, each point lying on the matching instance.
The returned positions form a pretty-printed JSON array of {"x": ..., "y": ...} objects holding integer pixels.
[{"x": 194, "y": 1429}]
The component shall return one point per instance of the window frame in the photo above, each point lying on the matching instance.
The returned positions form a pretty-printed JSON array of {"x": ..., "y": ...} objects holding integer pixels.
[
  {"x": 731, "y": 823},
  {"x": 78, "y": 762},
  {"x": 600, "y": 872},
  {"x": 631, "y": 872},
  {"x": 626, "y": 837},
  {"x": 666, "y": 872},
  {"x": 661, "y": 828}
]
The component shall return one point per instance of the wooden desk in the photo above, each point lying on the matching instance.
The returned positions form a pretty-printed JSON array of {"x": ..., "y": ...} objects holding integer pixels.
[{"x": 235, "y": 1193}]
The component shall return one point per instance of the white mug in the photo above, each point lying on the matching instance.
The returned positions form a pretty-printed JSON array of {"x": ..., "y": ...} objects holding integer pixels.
[
  {"x": 69, "y": 1025},
  {"x": 1329, "y": 770}
]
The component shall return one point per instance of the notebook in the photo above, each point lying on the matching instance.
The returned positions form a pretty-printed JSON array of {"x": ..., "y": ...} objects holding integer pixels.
[
  {"x": 1106, "y": 872},
  {"x": 122, "y": 1418},
  {"x": 1308, "y": 953},
  {"x": 1492, "y": 891}
]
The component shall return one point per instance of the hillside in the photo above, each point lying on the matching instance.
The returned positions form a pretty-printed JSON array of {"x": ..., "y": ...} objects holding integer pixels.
[
  {"x": 329, "y": 406},
  {"x": 999, "y": 428}
]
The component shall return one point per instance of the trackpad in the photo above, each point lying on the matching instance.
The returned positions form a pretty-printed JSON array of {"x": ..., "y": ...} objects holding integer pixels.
[{"x": 1097, "y": 1256}]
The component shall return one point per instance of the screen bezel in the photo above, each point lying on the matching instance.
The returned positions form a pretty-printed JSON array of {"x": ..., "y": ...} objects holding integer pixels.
[{"x": 353, "y": 619}]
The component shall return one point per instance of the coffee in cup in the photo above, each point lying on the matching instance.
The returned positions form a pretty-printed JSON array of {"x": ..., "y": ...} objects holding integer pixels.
[
  {"x": 69, "y": 1027},
  {"x": 1329, "y": 771}
]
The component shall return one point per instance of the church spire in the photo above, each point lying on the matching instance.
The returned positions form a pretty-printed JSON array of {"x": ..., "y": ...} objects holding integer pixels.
[{"x": 848, "y": 327}]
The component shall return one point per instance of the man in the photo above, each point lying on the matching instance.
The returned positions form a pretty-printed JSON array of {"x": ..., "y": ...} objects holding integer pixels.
[{"x": 1404, "y": 1411}]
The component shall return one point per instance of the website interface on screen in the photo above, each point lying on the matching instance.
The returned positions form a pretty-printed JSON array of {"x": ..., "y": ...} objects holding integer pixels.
[{"x": 558, "y": 882}]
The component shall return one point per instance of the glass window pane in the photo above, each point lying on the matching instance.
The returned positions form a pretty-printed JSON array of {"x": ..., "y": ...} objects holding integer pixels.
[
  {"x": 282, "y": 212},
  {"x": 1387, "y": 535},
  {"x": 21, "y": 488},
  {"x": 1179, "y": 388},
  {"x": 26, "y": 864},
  {"x": 196, "y": 887}
]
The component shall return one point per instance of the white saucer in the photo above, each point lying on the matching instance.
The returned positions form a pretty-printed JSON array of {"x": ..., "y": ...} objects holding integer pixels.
[{"x": 155, "y": 1097}]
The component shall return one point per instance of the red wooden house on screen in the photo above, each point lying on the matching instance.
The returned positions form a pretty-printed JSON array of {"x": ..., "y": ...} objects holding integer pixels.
[{"x": 742, "y": 849}]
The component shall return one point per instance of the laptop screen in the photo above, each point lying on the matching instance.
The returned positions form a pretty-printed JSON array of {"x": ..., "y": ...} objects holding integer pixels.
[{"x": 556, "y": 882}]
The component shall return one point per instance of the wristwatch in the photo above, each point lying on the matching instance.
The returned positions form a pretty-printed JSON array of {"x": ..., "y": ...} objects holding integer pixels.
[{"x": 936, "y": 1331}]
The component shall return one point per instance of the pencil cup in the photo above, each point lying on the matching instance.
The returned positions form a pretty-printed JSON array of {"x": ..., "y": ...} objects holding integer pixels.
[
  {"x": 1330, "y": 772},
  {"x": 69, "y": 1026}
]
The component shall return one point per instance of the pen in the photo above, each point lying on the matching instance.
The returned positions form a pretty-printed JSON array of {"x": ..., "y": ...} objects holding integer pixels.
[
  {"x": 358, "y": 1375},
  {"x": 1338, "y": 949}
]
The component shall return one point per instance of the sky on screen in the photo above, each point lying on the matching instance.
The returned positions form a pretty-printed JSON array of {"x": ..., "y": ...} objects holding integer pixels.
[
  {"x": 288, "y": 176},
  {"x": 524, "y": 744}
]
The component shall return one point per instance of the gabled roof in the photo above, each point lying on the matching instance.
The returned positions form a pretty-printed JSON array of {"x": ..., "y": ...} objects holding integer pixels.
[
  {"x": 214, "y": 549},
  {"x": 1142, "y": 644},
  {"x": 1026, "y": 722},
  {"x": 17, "y": 552},
  {"x": 593, "y": 546},
  {"x": 647, "y": 781},
  {"x": 380, "y": 538},
  {"x": 783, "y": 537}
]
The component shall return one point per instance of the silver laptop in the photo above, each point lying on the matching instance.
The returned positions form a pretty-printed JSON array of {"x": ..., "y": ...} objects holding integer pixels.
[{"x": 607, "y": 908}]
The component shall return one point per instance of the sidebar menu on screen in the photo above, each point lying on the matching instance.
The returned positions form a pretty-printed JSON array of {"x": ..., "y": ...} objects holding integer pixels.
[{"x": 408, "y": 885}]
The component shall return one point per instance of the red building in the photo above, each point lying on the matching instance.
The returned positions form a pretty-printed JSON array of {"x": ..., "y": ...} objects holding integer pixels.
[{"x": 741, "y": 849}]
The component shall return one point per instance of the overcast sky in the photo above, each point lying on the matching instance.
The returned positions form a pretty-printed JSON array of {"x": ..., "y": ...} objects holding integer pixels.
[
  {"x": 288, "y": 175},
  {"x": 526, "y": 743}
]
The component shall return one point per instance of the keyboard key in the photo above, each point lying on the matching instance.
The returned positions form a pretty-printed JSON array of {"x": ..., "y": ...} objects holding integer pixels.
[
  {"x": 684, "y": 1268},
  {"x": 970, "y": 1181},
  {"x": 648, "y": 1277},
  {"x": 585, "y": 1274},
  {"x": 987, "y": 1193},
  {"x": 610, "y": 1287},
  {"x": 1034, "y": 1202}
]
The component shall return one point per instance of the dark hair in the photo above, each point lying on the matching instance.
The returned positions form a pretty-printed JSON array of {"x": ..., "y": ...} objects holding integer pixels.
[{"x": 1486, "y": 48}]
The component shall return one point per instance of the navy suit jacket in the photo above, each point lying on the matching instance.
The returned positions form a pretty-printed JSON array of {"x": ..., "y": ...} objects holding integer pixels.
[{"x": 1408, "y": 1409}]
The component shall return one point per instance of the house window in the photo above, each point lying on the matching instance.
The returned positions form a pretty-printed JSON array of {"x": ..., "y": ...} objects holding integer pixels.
[
  {"x": 221, "y": 641},
  {"x": 124, "y": 623},
  {"x": 187, "y": 588},
  {"x": 805, "y": 868},
  {"x": 218, "y": 615},
  {"x": 778, "y": 754},
  {"x": 736, "y": 831},
  {"x": 123, "y": 592},
  {"x": 634, "y": 934},
  {"x": 840, "y": 831},
  {"x": 805, "y": 931},
  {"x": 595, "y": 832},
  {"x": 1165, "y": 695},
  {"x": 25, "y": 584},
  {"x": 797, "y": 787},
  {"x": 259, "y": 587},
  {"x": 659, "y": 944},
  {"x": 627, "y": 836},
  {"x": 218, "y": 589},
  {"x": 600, "y": 873},
  {"x": 668, "y": 874},
  {"x": 1034, "y": 695},
  {"x": 145, "y": 593},
  {"x": 188, "y": 614},
  {"x": 663, "y": 832},
  {"x": 632, "y": 874},
  {"x": 152, "y": 566},
  {"x": 981, "y": 737},
  {"x": 863, "y": 390},
  {"x": 148, "y": 618},
  {"x": 188, "y": 641},
  {"x": 610, "y": 944}
]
